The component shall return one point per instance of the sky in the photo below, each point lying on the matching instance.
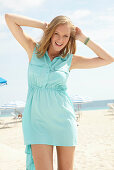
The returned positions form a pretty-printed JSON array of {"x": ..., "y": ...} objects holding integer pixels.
[{"x": 94, "y": 18}]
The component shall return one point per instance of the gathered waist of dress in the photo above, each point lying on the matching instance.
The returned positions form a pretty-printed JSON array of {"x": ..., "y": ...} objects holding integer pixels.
[{"x": 58, "y": 88}]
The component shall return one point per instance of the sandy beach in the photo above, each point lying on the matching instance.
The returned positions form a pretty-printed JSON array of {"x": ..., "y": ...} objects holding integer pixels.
[{"x": 95, "y": 149}]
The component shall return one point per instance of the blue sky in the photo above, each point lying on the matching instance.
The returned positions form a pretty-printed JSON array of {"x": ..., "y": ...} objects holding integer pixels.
[{"x": 95, "y": 18}]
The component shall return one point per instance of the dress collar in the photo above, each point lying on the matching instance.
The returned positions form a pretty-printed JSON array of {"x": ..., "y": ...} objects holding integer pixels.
[{"x": 55, "y": 57}]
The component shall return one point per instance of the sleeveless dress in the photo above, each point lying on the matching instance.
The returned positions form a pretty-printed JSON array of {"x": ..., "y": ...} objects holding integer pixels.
[{"x": 49, "y": 116}]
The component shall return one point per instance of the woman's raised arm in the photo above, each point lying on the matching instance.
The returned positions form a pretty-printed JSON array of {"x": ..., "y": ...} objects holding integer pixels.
[
  {"x": 103, "y": 57},
  {"x": 15, "y": 22}
]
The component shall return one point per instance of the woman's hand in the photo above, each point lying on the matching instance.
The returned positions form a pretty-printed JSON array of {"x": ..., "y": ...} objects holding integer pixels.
[
  {"x": 79, "y": 35},
  {"x": 45, "y": 26}
]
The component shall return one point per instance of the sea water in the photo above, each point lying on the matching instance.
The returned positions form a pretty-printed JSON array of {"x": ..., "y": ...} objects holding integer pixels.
[{"x": 94, "y": 105}]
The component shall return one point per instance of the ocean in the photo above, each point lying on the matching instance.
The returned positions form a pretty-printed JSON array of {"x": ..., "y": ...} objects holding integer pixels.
[{"x": 93, "y": 105}]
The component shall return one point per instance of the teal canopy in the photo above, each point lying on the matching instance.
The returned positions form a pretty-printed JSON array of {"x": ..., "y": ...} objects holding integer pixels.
[{"x": 3, "y": 81}]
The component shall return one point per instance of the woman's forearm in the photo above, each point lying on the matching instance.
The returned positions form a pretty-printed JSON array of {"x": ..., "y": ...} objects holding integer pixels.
[
  {"x": 97, "y": 49},
  {"x": 25, "y": 21}
]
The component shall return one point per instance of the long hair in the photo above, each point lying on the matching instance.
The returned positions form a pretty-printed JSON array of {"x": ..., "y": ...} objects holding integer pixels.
[{"x": 45, "y": 41}]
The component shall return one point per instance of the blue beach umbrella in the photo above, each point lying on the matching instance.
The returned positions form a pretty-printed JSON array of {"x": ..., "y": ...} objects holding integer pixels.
[{"x": 3, "y": 81}]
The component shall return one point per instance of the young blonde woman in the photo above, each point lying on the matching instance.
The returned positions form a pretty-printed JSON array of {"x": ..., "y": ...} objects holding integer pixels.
[{"x": 48, "y": 119}]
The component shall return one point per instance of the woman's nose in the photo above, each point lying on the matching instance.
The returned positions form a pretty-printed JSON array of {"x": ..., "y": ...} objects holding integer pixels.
[{"x": 60, "y": 39}]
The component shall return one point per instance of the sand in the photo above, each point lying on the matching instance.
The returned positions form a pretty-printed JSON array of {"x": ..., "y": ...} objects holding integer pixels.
[{"x": 95, "y": 149}]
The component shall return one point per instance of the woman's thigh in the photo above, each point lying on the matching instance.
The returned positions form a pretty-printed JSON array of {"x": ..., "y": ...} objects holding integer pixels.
[
  {"x": 42, "y": 156},
  {"x": 65, "y": 157}
]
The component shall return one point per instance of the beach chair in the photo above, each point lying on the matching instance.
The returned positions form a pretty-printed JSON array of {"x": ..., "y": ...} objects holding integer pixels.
[
  {"x": 17, "y": 116},
  {"x": 111, "y": 107},
  {"x": 3, "y": 124}
]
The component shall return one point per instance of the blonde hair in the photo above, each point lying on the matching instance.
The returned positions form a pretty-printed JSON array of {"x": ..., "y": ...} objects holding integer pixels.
[{"x": 46, "y": 38}]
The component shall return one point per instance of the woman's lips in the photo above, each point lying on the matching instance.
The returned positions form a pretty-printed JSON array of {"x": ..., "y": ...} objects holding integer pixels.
[{"x": 58, "y": 44}]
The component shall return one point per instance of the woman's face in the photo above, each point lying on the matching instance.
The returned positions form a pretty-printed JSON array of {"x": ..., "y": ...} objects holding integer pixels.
[{"x": 60, "y": 37}]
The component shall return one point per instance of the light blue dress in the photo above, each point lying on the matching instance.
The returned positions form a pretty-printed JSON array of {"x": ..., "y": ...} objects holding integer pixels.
[{"x": 49, "y": 116}]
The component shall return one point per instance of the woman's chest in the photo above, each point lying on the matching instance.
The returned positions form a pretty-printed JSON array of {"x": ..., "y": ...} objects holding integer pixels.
[{"x": 48, "y": 73}]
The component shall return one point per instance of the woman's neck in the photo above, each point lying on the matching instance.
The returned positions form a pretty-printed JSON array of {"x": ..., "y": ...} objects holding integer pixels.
[{"x": 52, "y": 53}]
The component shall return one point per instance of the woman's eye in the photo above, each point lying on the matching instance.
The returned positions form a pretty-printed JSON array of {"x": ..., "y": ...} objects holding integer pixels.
[
  {"x": 56, "y": 33},
  {"x": 66, "y": 35}
]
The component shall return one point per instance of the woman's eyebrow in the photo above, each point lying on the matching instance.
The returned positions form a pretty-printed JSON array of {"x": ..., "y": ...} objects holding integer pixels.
[{"x": 59, "y": 32}]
